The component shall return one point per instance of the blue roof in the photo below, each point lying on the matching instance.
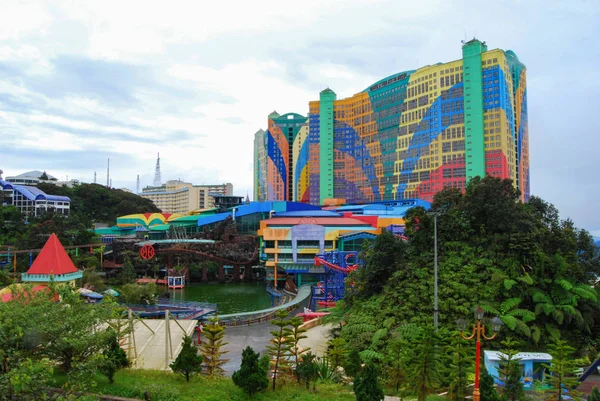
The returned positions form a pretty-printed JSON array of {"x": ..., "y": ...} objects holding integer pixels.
[
  {"x": 257, "y": 207},
  {"x": 385, "y": 208},
  {"x": 308, "y": 213},
  {"x": 33, "y": 193}
]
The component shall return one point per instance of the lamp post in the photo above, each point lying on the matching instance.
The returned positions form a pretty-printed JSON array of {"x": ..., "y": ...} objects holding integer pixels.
[{"x": 477, "y": 333}]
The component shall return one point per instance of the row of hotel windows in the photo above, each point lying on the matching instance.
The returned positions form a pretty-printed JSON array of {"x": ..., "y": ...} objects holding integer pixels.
[{"x": 300, "y": 244}]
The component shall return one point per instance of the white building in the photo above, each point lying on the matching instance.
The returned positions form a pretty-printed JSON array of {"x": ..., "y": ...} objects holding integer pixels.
[
  {"x": 33, "y": 178},
  {"x": 183, "y": 197},
  {"x": 31, "y": 200}
]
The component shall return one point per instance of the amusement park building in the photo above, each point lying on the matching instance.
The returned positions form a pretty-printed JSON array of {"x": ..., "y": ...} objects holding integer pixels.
[
  {"x": 31, "y": 200},
  {"x": 407, "y": 136},
  {"x": 183, "y": 197}
]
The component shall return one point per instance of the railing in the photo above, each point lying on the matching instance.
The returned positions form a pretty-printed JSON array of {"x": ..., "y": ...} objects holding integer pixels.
[
  {"x": 51, "y": 277},
  {"x": 264, "y": 315}
]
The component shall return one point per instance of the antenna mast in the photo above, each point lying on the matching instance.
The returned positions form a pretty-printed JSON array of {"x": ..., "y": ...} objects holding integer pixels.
[
  {"x": 137, "y": 187},
  {"x": 157, "y": 179},
  {"x": 108, "y": 173},
  {"x": 94, "y": 177}
]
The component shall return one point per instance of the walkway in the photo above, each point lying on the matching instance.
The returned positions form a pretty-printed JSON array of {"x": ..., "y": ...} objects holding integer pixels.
[{"x": 317, "y": 338}]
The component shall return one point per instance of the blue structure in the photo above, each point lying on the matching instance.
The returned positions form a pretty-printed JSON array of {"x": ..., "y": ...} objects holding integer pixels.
[
  {"x": 531, "y": 366},
  {"x": 337, "y": 264},
  {"x": 32, "y": 200}
]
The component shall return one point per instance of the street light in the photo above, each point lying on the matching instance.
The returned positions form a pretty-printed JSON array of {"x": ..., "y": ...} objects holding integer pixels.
[{"x": 478, "y": 332}]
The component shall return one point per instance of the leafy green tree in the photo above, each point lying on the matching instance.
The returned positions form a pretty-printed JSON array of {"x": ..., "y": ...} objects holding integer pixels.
[
  {"x": 353, "y": 364},
  {"x": 114, "y": 358},
  {"x": 510, "y": 372},
  {"x": 29, "y": 380},
  {"x": 308, "y": 370},
  {"x": 367, "y": 386},
  {"x": 188, "y": 362},
  {"x": 562, "y": 377},
  {"x": 212, "y": 348},
  {"x": 128, "y": 275},
  {"x": 279, "y": 346},
  {"x": 293, "y": 334},
  {"x": 252, "y": 377}
]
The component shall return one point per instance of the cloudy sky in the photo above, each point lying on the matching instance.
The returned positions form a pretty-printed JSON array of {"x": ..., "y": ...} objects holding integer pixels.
[{"x": 82, "y": 81}]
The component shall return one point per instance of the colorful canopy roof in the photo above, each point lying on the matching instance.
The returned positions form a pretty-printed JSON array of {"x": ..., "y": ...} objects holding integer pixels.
[{"x": 53, "y": 259}]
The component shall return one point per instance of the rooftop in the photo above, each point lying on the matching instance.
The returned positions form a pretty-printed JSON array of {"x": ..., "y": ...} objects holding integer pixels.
[
  {"x": 53, "y": 259},
  {"x": 524, "y": 356}
]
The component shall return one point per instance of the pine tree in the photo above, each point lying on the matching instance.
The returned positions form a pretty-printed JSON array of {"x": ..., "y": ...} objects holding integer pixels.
[
  {"x": 367, "y": 386},
  {"x": 353, "y": 363},
  {"x": 424, "y": 369},
  {"x": 128, "y": 274},
  {"x": 562, "y": 377},
  {"x": 293, "y": 335},
  {"x": 336, "y": 351},
  {"x": 252, "y": 376},
  {"x": 188, "y": 362},
  {"x": 308, "y": 370},
  {"x": 114, "y": 358},
  {"x": 211, "y": 348},
  {"x": 460, "y": 366},
  {"x": 510, "y": 372},
  {"x": 279, "y": 347},
  {"x": 486, "y": 387}
]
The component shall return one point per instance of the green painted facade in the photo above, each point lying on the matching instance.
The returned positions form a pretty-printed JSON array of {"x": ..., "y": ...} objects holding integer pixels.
[
  {"x": 326, "y": 98},
  {"x": 473, "y": 95}
]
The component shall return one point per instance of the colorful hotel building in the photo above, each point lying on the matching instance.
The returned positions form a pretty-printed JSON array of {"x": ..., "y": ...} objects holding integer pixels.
[{"x": 407, "y": 136}]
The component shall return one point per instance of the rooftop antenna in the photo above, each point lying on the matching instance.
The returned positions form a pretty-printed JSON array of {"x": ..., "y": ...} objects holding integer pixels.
[
  {"x": 137, "y": 187},
  {"x": 157, "y": 179},
  {"x": 108, "y": 173}
]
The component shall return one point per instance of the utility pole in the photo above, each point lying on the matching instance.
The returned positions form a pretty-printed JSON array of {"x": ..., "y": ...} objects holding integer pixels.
[{"x": 435, "y": 273}]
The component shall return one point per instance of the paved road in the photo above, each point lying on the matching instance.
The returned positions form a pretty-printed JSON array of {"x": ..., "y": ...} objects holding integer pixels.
[{"x": 257, "y": 336}]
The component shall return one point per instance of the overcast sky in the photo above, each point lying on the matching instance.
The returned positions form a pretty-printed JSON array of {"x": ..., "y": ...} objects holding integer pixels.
[{"x": 82, "y": 81}]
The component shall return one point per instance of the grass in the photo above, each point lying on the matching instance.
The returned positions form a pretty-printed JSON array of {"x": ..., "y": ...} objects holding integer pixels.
[{"x": 167, "y": 386}]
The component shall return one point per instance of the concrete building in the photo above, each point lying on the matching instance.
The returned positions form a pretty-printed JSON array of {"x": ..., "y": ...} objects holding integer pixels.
[
  {"x": 33, "y": 178},
  {"x": 407, "y": 136},
  {"x": 183, "y": 197},
  {"x": 32, "y": 201}
]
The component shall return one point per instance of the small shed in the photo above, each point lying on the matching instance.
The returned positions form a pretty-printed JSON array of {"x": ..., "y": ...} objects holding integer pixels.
[{"x": 532, "y": 368}]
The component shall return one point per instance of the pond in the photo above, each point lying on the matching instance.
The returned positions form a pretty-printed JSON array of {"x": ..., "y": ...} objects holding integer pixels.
[{"x": 229, "y": 297}]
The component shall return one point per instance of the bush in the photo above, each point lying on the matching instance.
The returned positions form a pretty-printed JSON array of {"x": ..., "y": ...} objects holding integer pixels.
[
  {"x": 252, "y": 376},
  {"x": 188, "y": 362},
  {"x": 115, "y": 358},
  {"x": 367, "y": 387}
]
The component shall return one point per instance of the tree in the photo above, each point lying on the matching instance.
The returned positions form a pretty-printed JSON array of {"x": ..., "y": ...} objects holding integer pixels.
[
  {"x": 486, "y": 387},
  {"x": 44, "y": 176},
  {"x": 128, "y": 275},
  {"x": 460, "y": 366},
  {"x": 252, "y": 377},
  {"x": 336, "y": 352},
  {"x": 308, "y": 370},
  {"x": 279, "y": 346},
  {"x": 510, "y": 372},
  {"x": 188, "y": 362},
  {"x": 212, "y": 348},
  {"x": 424, "y": 368},
  {"x": 353, "y": 364},
  {"x": 595, "y": 395},
  {"x": 562, "y": 377},
  {"x": 367, "y": 386},
  {"x": 114, "y": 358},
  {"x": 293, "y": 335}
]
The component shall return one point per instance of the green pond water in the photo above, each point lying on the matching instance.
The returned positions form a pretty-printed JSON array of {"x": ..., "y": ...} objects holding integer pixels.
[{"x": 229, "y": 297}]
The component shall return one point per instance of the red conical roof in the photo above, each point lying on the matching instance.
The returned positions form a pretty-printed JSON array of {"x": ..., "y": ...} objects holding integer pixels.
[{"x": 53, "y": 259}]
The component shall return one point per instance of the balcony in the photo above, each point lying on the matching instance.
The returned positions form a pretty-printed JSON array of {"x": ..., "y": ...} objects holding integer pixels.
[{"x": 46, "y": 278}]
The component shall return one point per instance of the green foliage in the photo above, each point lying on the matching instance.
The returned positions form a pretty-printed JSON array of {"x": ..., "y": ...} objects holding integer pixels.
[
  {"x": 425, "y": 362},
  {"x": 29, "y": 380},
  {"x": 279, "y": 346},
  {"x": 562, "y": 377},
  {"x": 138, "y": 293},
  {"x": 252, "y": 377},
  {"x": 293, "y": 334},
  {"x": 352, "y": 364},
  {"x": 336, "y": 351},
  {"x": 510, "y": 372},
  {"x": 188, "y": 362},
  {"x": 308, "y": 370},
  {"x": 367, "y": 386},
  {"x": 128, "y": 274},
  {"x": 212, "y": 348},
  {"x": 459, "y": 367},
  {"x": 486, "y": 387},
  {"x": 97, "y": 203},
  {"x": 114, "y": 357},
  {"x": 594, "y": 395}
]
